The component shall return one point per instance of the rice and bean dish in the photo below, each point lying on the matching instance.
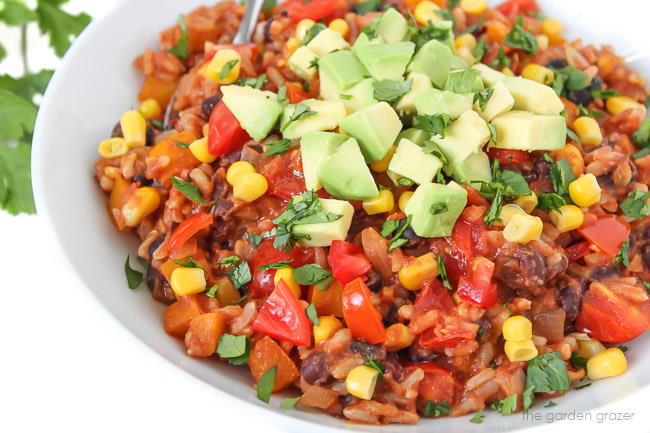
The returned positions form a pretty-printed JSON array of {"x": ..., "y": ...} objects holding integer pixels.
[{"x": 390, "y": 209}]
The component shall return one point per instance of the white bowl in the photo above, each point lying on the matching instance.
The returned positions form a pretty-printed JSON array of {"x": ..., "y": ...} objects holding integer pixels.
[{"x": 96, "y": 83}]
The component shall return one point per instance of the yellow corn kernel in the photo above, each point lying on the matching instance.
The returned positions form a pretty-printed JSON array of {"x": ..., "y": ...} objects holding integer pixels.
[
  {"x": 523, "y": 228},
  {"x": 382, "y": 165},
  {"x": 328, "y": 325},
  {"x": 538, "y": 73},
  {"x": 187, "y": 281},
  {"x": 398, "y": 337},
  {"x": 113, "y": 147},
  {"x": 249, "y": 187},
  {"x": 588, "y": 130},
  {"x": 508, "y": 211},
  {"x": 473, "y": 6},
  {"x": 149, "y": 108},
  {"x": 618, "y": 104},
  {"x": 527, "y": 202},
  {"x": 384, "y": 202},
  {"x": 237, "y": 169},
  {"x": 199, "y": 149},
  {"x": 134, "y": 128},
  {"x": 425, "y": 11},
  {"x": 608, "y": 363},
  {"x": 568, "y": 217},
  {"x": 286, "y": 275},
  {"x": 143, "y": 202},
  {"x": 413, "y": 275},
  {"x": 517, "y": 328},
  {"x": 292, "y": 45},
  {"x": 542, "y": 42},
  {"x": 587, "y": 346},
  {"x": 302, "y": 27},
  {"x": 585, "y": 191},
  {"x": 552, "y": 28},
  {"x": 340, "y": 26},
  {"x": 507, "y": 71},
  {"x": 404, "y": 199},
  {"x": 224, "y": 67},
  {"x": 465, "y": 41},
  {"x": 466, "y": 54},
  {"x": 361, "y": 382},
  {"x": 517, "y": 351}
]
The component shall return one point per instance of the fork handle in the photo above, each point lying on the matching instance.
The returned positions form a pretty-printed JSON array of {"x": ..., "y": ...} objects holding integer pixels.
[{"x": 248, "y": 22}]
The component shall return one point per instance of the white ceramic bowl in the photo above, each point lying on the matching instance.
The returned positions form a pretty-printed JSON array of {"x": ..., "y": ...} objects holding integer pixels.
[{"x": 97, "y": 82}]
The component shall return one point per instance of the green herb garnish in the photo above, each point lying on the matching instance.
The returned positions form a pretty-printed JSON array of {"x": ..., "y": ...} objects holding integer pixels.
[
  {"x": 278, "y": 147},
  {"x": 234, "y": 348},
  {"x": 133, "y": 278},
  {"x": 436, "y": 409},
  {"x": 266, "y": 383},
  {"x": 391, "y": 90},
  {"x": 276, "y": 265},
  {"x": 225, "y": 70},
  {"x": 181, "y": 48},
  {"x": 189, "y": 262},
  {"x": 190, "y": 191},
  {"x": 435, "y": 124},
  {"x": 623, "y": 256},
  {"x": 310, "y": 274},
  {"x": 312, "y": 314},
  {"x": 442, "y": 269},
  {"x": 483, "y": 97},
  {"x": 521, "y": 39}
]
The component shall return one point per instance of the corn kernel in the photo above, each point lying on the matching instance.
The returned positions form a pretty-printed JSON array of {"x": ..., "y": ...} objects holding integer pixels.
[
  {"x": 149, "y": 108},
  {"x": 587, "y": 346},
  {"x": 517, "y": 328},
  {"x": 199, "y": 149},
  {"x": 143, "y": 202},
  {"x": 398, "y": 337},
  {"x": 608, "y": 363},
  {"x": 588, "y": 130},
  {"x": 585, "y": 191},
  {"x": 538, "y": 73},
  {"x": 466, "y": 54},
  {"x": 249, "y": 187},
  {"x": 361, "y": 382},
  {"x": 542, "y": 42},
  {"x": 527, "y": 202},
  {"x": 508, "y": 211},
  {"x": 507, "y": 71},
  {"x": 404, "y": 199},
  {"x": 552, "y": 28},
  {"x": 187, "y": 281},
  {"x": 467, "y": 40},
  {"x": 523, "y": 228},
  {"x": 134, "y": 129},
  {"x": 302, "y": 27},
  {"x": 237, "y": 169},
  {"x": 425, "y": 11},
  {"x": 340, "y": 26},
  {"x": 473, "y": 6},
  {"x": 113, "y": 147},
  {"x": 517, "y": 351},
  {"x": 328, "y": 326},
  {"x": 286, "y": 275},
  {"x": 415, "y": 273},
  {"x": 224, "y": 67},
  {"x": 382, "y": 165},
  {"x": 618, "y": 104},
  {"x": 292, "y": 45},
  {"x": 567, "y": 218},
  {"x": 384, "y": 202}
]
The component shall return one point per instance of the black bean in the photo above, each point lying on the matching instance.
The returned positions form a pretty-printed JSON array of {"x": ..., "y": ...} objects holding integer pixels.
[
  {"x": 267, "y": 31},
  {"x": 117, "y": 130},
  {"x": 374, "y": 280},
  {"x": 417, "y": 353},
  {"x": 151, "y": 136},
  {"x": 314, "y": 369},
  {"x": 580, "y": 97},
  {"x": 143, "y": 180},
  {"x": 393, "y": 367},
  {"x": 557, "y": 63},
  {"x": 596, "y": 83},
  {"x": 367, "y": 350},
  {"x": 208, "y": 104}
]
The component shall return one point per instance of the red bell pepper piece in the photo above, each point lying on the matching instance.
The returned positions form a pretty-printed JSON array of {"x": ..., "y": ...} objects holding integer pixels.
[
  {"x": 608, "y": 233},
  {"x": 224, "y": 132},
  {"x": 282, "y": 317},
  {"x": 477, "y": 287},
  {"x": 512, "y": 8},
  {"x": 362, "y": 318},
  {"x": 187, "y": 229},
  {"x": 509, "y": 156},
  {"x": 295, "y": 95},
  {"x": 298, "y": 10},
  {"x": 348, "y": 261},
  {"x": 577, "y": 251}
]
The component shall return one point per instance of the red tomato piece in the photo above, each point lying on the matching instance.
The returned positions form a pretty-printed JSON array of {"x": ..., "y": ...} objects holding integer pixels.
[
  {"x": 295, "y": 94},
  {"x": 432, "y": 296},
  {"x": 430, "y": 340},
  {"x": 577, "y": 251},
  {"x": 509, "y": 156},
  {"x": 224, "y": 132},
  {"x": 515, "y": 7},
  {"x": 474, "y": 198},
  {"x": 477, "y": 288},
  {"x": 284, "y": 175},
  {"x": 438, "y": 384},
  {"x": 462, "y": 237},
  {"x": 608, "y": 233},
  {"x": 313, "y": 10},
  {"x": 362, "y": 318},
  {"x": 187, "y": 229},
  {"x": 282, "y": 317},
  {"x": 348, "y": 261}
]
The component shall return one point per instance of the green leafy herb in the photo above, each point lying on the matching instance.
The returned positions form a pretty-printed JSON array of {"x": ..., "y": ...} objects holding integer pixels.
[
  {"x": 346, "y": 97},
  {"x": 266, "y": 383},
  {"x": 521, "y": 39},
  {"x": 212, "y": 291},
  {"x": 586, "y": 385},
  {"x": 527, "y": 397},
  {"x": 310, "y": 274},
  {"x": 577, "y": 361},
  {"x": 572, "y": 135},
  {"x": 253, "y": 239},
  {"x": 623, "y": 255},
  {"x": 143, "y": 262},
  {"x": 371, "y": 30},
  {"x": 569, "y": 78},
  {"x": 493, "y": 132},
  {"x": 60, "y": 26},
  {"x": 312, "y": 32},
  {"x": 501, "y": 60},
  {"x": 551, "y": 403},
  {"x": 446, "y": 15},
  {"x": 278, "y": 147},
  {"x": 391, "y": 90},
  {"x": 367, "y": 6},
  {"x": 463, "y": 81},
  {"x": 234, "y": 348},
  {"x": 240, "y": 274},
  {"x": 642, "y": 135},
  {"x": 313, "y": 64},
  {"x": 478, "y": 417},
  {"x": 561, "y": 176},
  {"x": 405, "y": 181},
  {"x": 312, "y": 314},
  {"x": 440, "y": 178},
  {"x": 133, "y": 278},
  {"x": 480, "y": 49},
  {"x": 255, "y": 83},
  {"x": 442, "y": 269},
  {"x": 282, "y": 95},
  {"x": 389, "y": 227},
  {"x": 229, "y": 261},
  {"x": 506, "y": 183},
  {"x": 181, "y": 48},
  {"x": 483, "y": 97},
  {"x": 375, "y": 364},
  {"x": 641, "y": 153},
  {"x": 301, "y": 111},
  {"x": 189, "y": 262},
  {"x": 438, "y": 208},
  {"x": 289, "y": 402},
  {"x": 604, "y": 94},
  {"x": 397, "y": 240},
  {"x": 190, "y": 190},
  {"x": 15, "y": 181},
  {"x": 505, "y": 406},
  {"x": 435, "y": 124},
  {"x": 635, "y": 205},
  {"x": 225, "y": 69},
  {"x": 430, "y": 146},
  {"x": 473, "y": 28},
  {"x": 506, "y": 307},
  {"x": 182, "y": 145},
  {"x": 582, "y": 111},
  {"x": 495, "y": 208},
  {"x": 433, "y": 30},
  {"x": 436, "y": 409},
  {"x": 276, "y": 265},
  {"x": 646, "y": 285},
  {"x": 550, "y": 201},
  {"x": 623, "y": 348},
  {"x": 547, "y": 373}
]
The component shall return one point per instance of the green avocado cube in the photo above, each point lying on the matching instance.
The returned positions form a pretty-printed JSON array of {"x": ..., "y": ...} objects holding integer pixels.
[
  {"x": 386, "y": 61},
  {"x": 326, "y": 116},
  {"x": 256, "y": 110},
  {"x": 301, "y": 63},
  {"x": 363, "y": 40},
  {"x": 411, "y": 162},
  {"x": 416, "y": 135},
  {"x": 420, "y": 83},
  {"x": 523, "y": 130},
  {"x": 338, "y": 71},
  {"x": 473, "y": 169},
  {"x": 434, "y": 101},
  {"x": 500, "y": 102},
  {"x": 322, "y": 234},
  {"x": 359, "y": 96},
  {"x": 434, "y": 208},
  {"x": 327, "y": 41},
  {"x": 433, "y": 59},
  {"x": 314, "y": 147},
  {"x": 464, "y": 136},
  {"x": 392, "y": 26},
  {"x": 345, "y": 175}
]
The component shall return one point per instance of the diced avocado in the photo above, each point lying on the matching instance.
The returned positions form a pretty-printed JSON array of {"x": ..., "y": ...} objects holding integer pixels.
[
  {"x": 314, "y": 147},
  {"x": 344, "y": 173},
  {"x": 434, "y": 101},
  {"x": 419, "y": 84},
  {"x": 363, "y": 40},
  {"x": 433, "y": 59},
  {"x": 322, "y": 234},
  {"x": 529, "y": 131},
  {"x": 434, "y": 208},
  {"x": 500, "y": 102},
  {"x": 417, "y": 136},
  {"x": 464, "y": 136},
  {"x": 256, "y": 110},
  {"x": 464, "y": 81},
  {"x": 386, "y": 61},
  {"x": 392, "y": 26},
  {"x": 301, "y": 63},
  {"x": 375, "y": 127},
  {"x": 457, "y": 63},
  {"x": 411, "y": 162},
  {"x": 444, "y": 32},
  {"x": 338, "y": 71},
  {"x": 475, "y": 167},
  {"x": 529, "y": 95},
  {"x": 328, "y": 114},
  {"x": 327, "y": 41},
  {"x": 359, "y": 96}
]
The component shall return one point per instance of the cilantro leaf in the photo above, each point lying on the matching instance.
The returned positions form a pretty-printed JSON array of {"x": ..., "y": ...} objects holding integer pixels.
[
  {"x": 16, "y": 13},
  {"x": 478, "y": 417},
  {"x": 190, "y": 191},
  {"x": 15, "y": 181},
  {"x": 495, "y": 208},
  {"x": 289, "y": 402},
  {"x": 17, "y": 116},
  {"x": 255, "y": 83},
  {"x": 483, "y": 97},
  {"x": 480, "y": 49},
  {"x": 550, "y": 201},
  {"x": 569, "y": 78},
  {"x": 389, "y": 227},
  {"x": 59, "y": 25},
  {"x": 225, "y": 69},
  {"x": 278, "y": 147},
  {"x": 310, "y": 274},
  {"x": 434, "y": 124},
  {"x": 234, "y": 348},
  {"x": 133, "y": 278},
  {"x": 436, "y": 409},
  {"x": 312, "y": 314},
  {"x": 462, "y": 81},
  {"x": 240, "y": 274},
  {"x": 430, "y": 146},
  {"x": 266, "y": 383},
  {"x": 561, "y": 176},
  {"x": 253, "y": 239},
  {"x": 189, "y": 262},
  {"x": 635, "y": 205},
  {"x": 551, "y": 403},
  {"x": 623, "y": 255},
  {"x": 442, "y": 269},
  {"x": 276, "y": 265},
  {"x": 181, "y": 48},
  {"x": 438, "y": 208},
  {"x": 375, "y": 364},
  {"x": 547, "y": 373},
  {"x": 312, "y": 32},
  {"x": 604, "y": 94},
  {"x": 642, "y": 135},
  {"x": 391, "y": 90},
  {"x": 505, "y": 406},
  {"x": 501, "y": 60},
  {"x": 301, "y": 111},
  {"x": 367, "y": 6},
  {"x": 522, "y": 39},
  {"x": 397, "y": 240},
  {"x": 527, "y": 397},
  {"x": 439, "y": 31}
]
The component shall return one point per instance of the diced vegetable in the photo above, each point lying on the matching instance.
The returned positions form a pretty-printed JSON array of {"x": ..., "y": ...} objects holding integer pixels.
[
  {"x": 178, "y": 315},
  {"x": 180, "y": 159},
  {"x": 348, "y": 261},
  {"x": 187, "y": 229},
  {"x": 224, "y": 133},
  {"x": 203, "y": 335},
  {"x": 360, "y": 315},
  {"x": 477, "y": 287},
  {"x": 608, "y": 233},
  {"x": 267, "y": 353}
]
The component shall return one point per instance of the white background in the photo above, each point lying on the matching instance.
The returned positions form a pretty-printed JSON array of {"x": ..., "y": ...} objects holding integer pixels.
[{"x": 65, "y": 365}]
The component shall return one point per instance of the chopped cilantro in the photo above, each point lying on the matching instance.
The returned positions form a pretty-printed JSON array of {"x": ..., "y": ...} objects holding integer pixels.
[
  {"x": 623, "y": 256},
  {"x": 190, "y": 191},
  {"x": 435, "y": 124},
  {"x": 133, "y": 278},
  {"x": 436, "y": 409},
  {"x": 310, "y": 274},
  {"x": 181, "y": 48},
  {"x": 483, "y": 97},
  {"x": 189, "y": 262},
  {"x": 547, "y": 373},
  {"x": 635, "y": 205},
  {"x": 312, "y": 314},
  {"x": 278, "y": 147},
  {"x": 478, "y": 417},
  {"x": 225, "y": 69},
  {"x": 276, "y": 265},
  {"x": 375, "y": 364},
  {"x": 505, "y": 406},
  {"x": 266, "y": 383},
  {"x": 234, "y": 348},
  {"x": 522, "y": 39},
  {"x": 391, "y": 90},
  {"x": 312, "y": 32},
  {"x": 442, "y": 269},
  {"x": 289, "y": 402}
]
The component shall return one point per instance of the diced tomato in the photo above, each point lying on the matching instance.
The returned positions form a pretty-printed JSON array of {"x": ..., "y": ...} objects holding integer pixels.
[
  {"x": 577, "y": 251},
  {"x": 203, "y": 335},
  {"x": 295, "y": 94},
  {"x": 608, "y": 233},
  {"x": 187, "y": 229},
  {"x": 224, "y": 132},
  {"x": 362, "y": 318},
  {"x": 430, "y": 340},
  {"x": 284, "y": 175},
  {"x": 438, "y": 384},
  {"x": 477, "y": 287},
  {"x": 432, "y": 296},
  {"x": 462, "y": 237},
  {"x": 474, "y": 198},
  {"x": 283, "y": 317},
  {"x": 513, "y": 8},
  {"x": 509, "y": 156},
  {"x": 348, "y": 261},
  {"x": 297, "y": 10}
]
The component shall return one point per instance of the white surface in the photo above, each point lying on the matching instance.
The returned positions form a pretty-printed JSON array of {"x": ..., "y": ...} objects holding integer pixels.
[{"x": 67, "y": 365}]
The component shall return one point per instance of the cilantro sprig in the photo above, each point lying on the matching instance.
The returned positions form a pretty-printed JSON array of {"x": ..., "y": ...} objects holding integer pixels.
[
  {"x": 520, "y": 38},
  {"x": 505, "y": 184}
]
